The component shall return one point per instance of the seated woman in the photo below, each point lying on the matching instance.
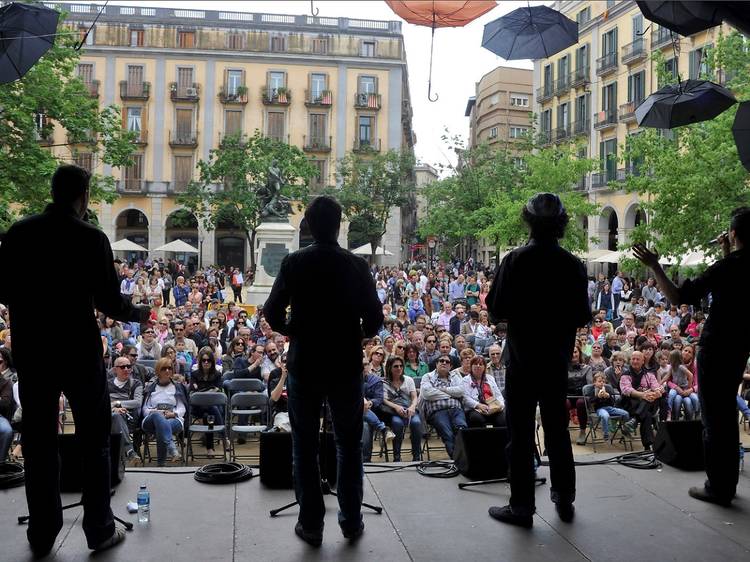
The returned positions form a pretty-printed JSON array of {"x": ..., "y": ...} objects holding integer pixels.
[
  {"x": 278, "y": 397},
  {"x": 681, "y": 389},
  {"x": 415, "y": 367},
  {"x": 483, "y": 402},
  {"x": 164, "y": 406},
  {"x": 579, "y": 375},
  {"x": 376, "y": 357},
  {"x": 207, "y": 378},
  {"x": 597, "y": 362},
  {"x": 400, "y": 408},
  {"x": 415, "y": 306}
]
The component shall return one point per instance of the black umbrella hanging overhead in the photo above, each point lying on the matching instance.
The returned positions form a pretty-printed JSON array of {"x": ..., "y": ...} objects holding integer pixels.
[
  {"x": 741, "y": 132},
  {"x": 684, "y": 18},
  {"x": 737, "y": 14},
  {"x": 683, "y": 103},
  {"x": 533, "y": 32},
  {"x": 26, "y": 33}
]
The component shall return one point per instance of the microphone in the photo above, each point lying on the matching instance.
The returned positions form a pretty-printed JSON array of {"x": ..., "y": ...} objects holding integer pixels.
[{"x": 717, "y": 241}]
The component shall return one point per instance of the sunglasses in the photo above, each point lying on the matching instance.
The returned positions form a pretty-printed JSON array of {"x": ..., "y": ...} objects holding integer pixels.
[
  {"x": 134, "y": 354},
  {"x": 124, "y": 366},
  {"x": 377, "y": 353},
  {"x": 443, "y": 360},
  {"x": 206, "y": 360}
]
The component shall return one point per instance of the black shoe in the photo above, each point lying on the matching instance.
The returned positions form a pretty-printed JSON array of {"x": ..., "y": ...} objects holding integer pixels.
[
  {"x": 40, "y": 550},
  {"x": 507, "y": 515},
  {"x": 313, "y": 538},
  {"x": 241, "y": 440},
  {"x": 566, "y": 511},
  {"x": 704, "y": 495},
  {"x": 354, "y": 535}
]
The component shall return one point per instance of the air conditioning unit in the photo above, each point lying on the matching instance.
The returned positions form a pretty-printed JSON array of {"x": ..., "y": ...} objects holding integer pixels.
[{"x": 191, "y": 92}]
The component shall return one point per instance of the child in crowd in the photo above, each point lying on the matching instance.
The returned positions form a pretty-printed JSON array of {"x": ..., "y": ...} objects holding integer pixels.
[
  {"x": 603, "y": 401},
  {"x": 681, "y": 388}
]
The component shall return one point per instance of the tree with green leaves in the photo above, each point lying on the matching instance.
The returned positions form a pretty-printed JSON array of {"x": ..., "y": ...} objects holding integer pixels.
[
  {"x": 50, "y": 96},
  {"x": 370, "y": 186},
  {"x": 239, "y": 166},
  {"x": 690, "y": 183},
  {"x": 486, "y": 194}
]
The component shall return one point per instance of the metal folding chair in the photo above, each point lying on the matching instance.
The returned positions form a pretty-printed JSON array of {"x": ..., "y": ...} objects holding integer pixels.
[
  {"x": 204, "y": 400},
  {"x": 246, "y": 404}
]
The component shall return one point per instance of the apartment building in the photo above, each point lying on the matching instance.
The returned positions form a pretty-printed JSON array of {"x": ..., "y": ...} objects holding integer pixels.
[{"x": 187, "y": 78}]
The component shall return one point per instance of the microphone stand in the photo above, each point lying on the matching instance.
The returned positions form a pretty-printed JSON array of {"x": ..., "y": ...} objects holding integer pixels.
[
  {"x": 539, "y": 481},
  {"x": 325, "y": 486},
  {"x": 127, "y": 524}
]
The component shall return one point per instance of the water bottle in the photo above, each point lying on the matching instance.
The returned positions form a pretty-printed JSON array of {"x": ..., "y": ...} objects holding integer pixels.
[
  {"x": 144, "y": 504},
  {"x": 742, "y": 458}
]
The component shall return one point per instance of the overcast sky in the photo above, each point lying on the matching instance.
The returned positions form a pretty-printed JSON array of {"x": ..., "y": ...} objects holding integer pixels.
[{"x": 459, "y": 60}]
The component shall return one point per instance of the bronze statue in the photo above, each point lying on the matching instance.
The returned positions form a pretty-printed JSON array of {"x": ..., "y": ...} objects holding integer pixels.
[{"x": 274, "y": 205}]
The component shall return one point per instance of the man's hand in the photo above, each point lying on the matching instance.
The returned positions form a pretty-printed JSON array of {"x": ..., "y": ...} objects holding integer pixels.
[
  {"x": 646, "y": 256},
  {"x": 726, "y": 246}
]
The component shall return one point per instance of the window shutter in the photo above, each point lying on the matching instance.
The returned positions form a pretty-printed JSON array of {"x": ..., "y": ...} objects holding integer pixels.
[
  {"x": 630, "y": 88},
  {"x": 144, "y": 121},
  {"x": 244, "y": 83},
  {"x": 125, "y": 118},
  {"x": 375, "y": 80}
]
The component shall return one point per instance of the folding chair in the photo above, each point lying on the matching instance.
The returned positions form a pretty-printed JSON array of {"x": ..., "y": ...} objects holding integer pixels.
[
  {"x": 245, "y": 385},
  {"x": 246, "y": 404},
  {"x": 204, "y": 400},
  {"x": 148, "y": 363},
  {"x": 594, "y": 421},
  {"x": 145, "y": 441}
]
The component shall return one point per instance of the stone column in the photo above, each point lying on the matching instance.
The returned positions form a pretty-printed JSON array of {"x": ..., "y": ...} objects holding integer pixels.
[{"x": 275, "y": 240}]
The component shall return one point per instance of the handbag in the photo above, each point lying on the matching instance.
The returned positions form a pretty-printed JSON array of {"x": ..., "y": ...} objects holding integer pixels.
[{"x": 494, "y": 406}]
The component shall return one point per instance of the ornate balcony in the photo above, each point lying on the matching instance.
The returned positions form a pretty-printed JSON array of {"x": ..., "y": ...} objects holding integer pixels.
[
  {"x": 276, "y": 96},
  {"x": 367, "y": 100},
  {"x": 545, "y": 137},
  {"x": 366, "y": 145},
  {"x": 627, "y": 111},
  {"x": 233, "y": 96},
  {"x": 93, "y": 88},
  {"x": 180, "y": 92},
  {"x": 581, "y": 127},
  {"x": 316, "y": 143},
  {"x": 183, "y": 139},
  {"x": 634, "y": 52},
  {"x": 661, "y": 38},
  {"x": 544, "y": 93},
  {"x": 562, "y": 133},
  {"x": 580, "y": 77},
  {"x": 605, "y": 119},
  {"x": 130, "y": 185},
  {"x": 562, "y": 85},
  {"x": 607, "y": 64},
  {"x": 323, "y": 98},
  {"x": 134, "y": 90}
]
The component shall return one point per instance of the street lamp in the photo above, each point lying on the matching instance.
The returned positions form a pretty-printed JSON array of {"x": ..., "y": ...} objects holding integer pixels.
[{"x": 200, "y": 251}]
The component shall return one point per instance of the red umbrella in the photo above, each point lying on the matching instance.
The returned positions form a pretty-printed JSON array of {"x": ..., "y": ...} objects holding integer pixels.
[{"x": 441, "y": 13}]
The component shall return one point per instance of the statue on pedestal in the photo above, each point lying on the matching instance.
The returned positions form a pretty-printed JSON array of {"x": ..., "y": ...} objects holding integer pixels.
[{"x": 274, "y": 206}]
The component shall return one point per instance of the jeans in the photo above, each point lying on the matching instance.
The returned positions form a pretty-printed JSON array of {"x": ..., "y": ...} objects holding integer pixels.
[
  {"x": 6, "y": 437},
  {"x": 307, "y": 389},
  {"x": 742, "y": 406},
  {"x": 691, "y": 403},
  {"x": 163, "y": 428},
  {"x": 398, "y": 425},
  {"x": 447, "y": 422},
  {"x": 607, "y": 411},
  {"x": 373, "y": 421}
]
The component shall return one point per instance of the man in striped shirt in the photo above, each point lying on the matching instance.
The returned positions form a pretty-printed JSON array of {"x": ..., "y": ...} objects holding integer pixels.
[{"x": 442, "y": 394}]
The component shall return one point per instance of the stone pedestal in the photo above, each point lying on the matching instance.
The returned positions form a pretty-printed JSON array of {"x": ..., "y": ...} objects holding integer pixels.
[{"x": 274, "y": 240}]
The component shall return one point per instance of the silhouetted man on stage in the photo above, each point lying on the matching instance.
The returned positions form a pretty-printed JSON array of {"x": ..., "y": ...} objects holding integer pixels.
[
  {"x": 723, "y": 353},
  {"x": 538, "y": 370},
  {"x": 59, "y": 241},
  {"x": 314, "y": 280}
]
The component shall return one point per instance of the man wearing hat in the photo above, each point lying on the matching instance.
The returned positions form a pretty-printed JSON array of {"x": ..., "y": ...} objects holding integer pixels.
[{"x": 520, "y": 296}]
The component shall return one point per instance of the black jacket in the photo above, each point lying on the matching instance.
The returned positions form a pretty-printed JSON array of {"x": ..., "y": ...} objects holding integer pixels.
[
  {"x": 312, "y": 280},
  {"x": 49, "y": 243}
]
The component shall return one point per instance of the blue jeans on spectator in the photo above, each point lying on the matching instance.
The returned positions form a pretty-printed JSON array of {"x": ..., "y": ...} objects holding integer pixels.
[
  {"x": 200, "y": 412},
  {"x": 373, "y": 421},
  {"x": 447, "y": 422},
  {"x": 607, "y": 411},
  {"x": 6, "y": 437},
  {"x": 691, "y": 403},
  {"x": 163, "y": 428},
  {"x": 398, "y": 425},
  {"x": 743, "y": 407}
]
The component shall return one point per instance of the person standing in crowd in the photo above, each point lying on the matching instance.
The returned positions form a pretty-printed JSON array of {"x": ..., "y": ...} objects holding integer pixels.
[
  {"x": 725, "y": 346},
  {"x": 237, "y": 281},
  {"x": 58, "y": 237},
  {"x": 180, "y": 292},
  {"x": 304, "y": 276},
  {"x": 522, "y": 276}
]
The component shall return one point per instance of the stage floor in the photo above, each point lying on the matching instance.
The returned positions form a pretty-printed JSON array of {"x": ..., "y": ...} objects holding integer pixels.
[{"x": 622, "y": 514}]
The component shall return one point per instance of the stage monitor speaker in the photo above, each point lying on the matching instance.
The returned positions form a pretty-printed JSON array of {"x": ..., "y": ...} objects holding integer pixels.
[
  {"x": 680, "y": 444},
  {"x": 71, "y": 461},
  {"x": 276, "y": 459},
  {"x": 479, "y": 452}
]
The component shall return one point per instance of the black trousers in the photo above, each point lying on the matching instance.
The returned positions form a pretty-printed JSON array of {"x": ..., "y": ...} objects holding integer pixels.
[
  {"x": 87, "y": 393},
  {"x": 166, "y": 294},
  {"x": 237, "y": 291},
  {"x": 719, "y": 375},
  {"x": 523, "y": 390},
  {"x": 475, "y": 419}
]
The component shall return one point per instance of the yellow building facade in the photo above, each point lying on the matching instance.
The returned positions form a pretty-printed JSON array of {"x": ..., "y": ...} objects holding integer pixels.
[
  {"x": 186, "y": 78},
  {"x": 588, "y": 94}
]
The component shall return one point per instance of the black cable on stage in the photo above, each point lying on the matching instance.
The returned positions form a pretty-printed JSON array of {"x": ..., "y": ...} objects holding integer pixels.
[
  {"x": 385, "y": 467},
  {"x": 438, "y": 469},
  {"x": 223, "y": 473},
  {"x": 11, "y": 475},
  {"x": 642, "y": 460}
]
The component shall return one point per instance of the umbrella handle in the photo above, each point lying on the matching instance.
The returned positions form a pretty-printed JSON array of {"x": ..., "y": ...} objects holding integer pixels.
[
  {"x": 429, "y": 80},
  {"x": 313, "y": 10}
]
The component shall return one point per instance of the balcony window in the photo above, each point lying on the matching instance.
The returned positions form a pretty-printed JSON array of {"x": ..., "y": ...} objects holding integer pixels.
[
  {"x": 278, "y": 44},
  {"x": 136, "y": 37},
  {"x": 183, "y": 172},
  {"x": 84, "y": 160},
  {"x": 318, "y": 84},
  {"x": 186, "y": 39},
  {"x": 583, "y": 16},
  {"x": 234, "y": 81},
  {"x": 134, "y": 123},
  {"x": 276, "y": 125},
  {"x": 133, "y": 174},
  {"x": 185, "y": 130},
  {"x": 365, "y": 132},
  {"x": 232, "y": 122},
  {"x": 320, "y": 178},
  {"x": 367, "y": 49},
  {"x": 320, "y": 46},
  {"x": 235, "y": 41}
]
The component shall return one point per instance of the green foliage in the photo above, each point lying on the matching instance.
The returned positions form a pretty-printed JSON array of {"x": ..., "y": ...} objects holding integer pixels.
[
  {"x": 485, "y": 195},
  {"x": 51, "y": 88},
  {"x": 689, "y": 185},
  {"x": 369, "y": 187},
  {"x": 240, "y": 164}
]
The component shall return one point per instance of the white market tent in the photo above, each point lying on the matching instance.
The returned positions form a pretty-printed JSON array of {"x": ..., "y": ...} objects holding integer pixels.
[
  {"x": 177, "y": 246},
  {"x": 366, "y": 250},
  {"x": 126, "y": 245}
]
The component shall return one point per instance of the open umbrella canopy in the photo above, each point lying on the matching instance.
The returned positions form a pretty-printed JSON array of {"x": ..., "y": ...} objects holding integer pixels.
[
  {"x": 26, "y": 33},
  {"x": 126, "y": 245},
  {"x": 442, "y": 13},
  {"x": 366, "y": 250},
  {"x": 177, "y": 246},
  {"x": 684, "y": 18},
  {"x": 696, "y": 258},
  {"x": 690, "y": 101},
  {"x": 533, "y": 32},
  {"x": 741, "y": 132}
]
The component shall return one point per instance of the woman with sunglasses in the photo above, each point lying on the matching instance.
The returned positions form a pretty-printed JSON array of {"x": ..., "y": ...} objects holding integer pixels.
[
  {"x": 205, "y": 377},
  {"x": 163, "y": 333},
  {"x": 164, "y": 406},
  {"x": 148, "y": 347},
  {"x": 482, "y": 397},
  {"x": 400, "y": 404},
  {"x": 376, "y": 357},
  {"x": 402, "y": 316},
  {"x": 597, "y": 362},
  {"x": 236, "y": 356}
]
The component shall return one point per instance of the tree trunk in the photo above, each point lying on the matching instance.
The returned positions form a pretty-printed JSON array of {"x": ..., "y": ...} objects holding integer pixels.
[
  {"x": 374, "y": 243},
  {"x": 251, "y": 241}
]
